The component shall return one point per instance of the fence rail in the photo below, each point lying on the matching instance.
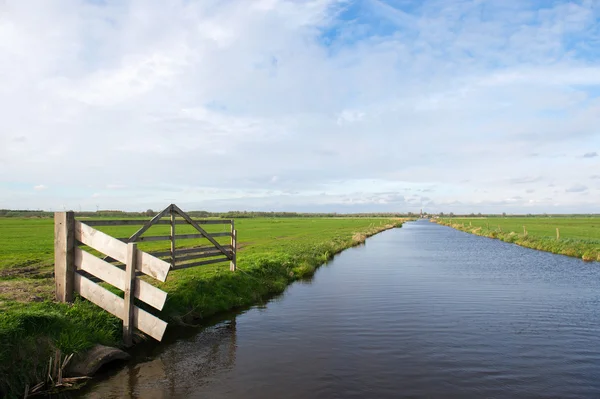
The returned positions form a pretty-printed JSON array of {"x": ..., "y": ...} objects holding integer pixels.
[{"x": 77, "y": 270}]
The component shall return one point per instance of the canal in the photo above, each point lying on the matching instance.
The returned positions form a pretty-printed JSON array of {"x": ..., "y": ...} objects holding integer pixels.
[{"x": 421, "y": 311}]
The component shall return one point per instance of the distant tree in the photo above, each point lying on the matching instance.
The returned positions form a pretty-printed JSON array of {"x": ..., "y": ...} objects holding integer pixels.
[
  {"x": 441, "y": 214},
  {"x": 149, "y": 212},
  {"x": 503, "y": 213},
  {"x": 451, "y": 214}
]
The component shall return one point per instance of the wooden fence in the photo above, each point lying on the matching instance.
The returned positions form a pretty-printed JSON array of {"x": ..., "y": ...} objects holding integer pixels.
[{"x": 77, "y": 270}]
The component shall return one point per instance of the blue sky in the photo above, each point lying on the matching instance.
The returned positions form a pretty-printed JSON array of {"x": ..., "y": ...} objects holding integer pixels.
[{"x": 318, "y": 105}]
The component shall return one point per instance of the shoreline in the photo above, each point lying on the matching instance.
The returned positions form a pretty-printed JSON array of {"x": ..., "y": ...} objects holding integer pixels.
[
  {"x": 588, "y": 252},
  {"x": 34, "y": 331}
]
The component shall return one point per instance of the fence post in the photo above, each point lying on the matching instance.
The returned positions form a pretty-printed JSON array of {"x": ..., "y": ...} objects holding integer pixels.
[
  {"x": 129, "y": 293},
  {"x": 64, "y": 255},
  {"x": 172, "y": 238},
  {"x": 233, "y": 263},
  {"x": 524, "y": 231},
  {"x": 557, "y": 234}
]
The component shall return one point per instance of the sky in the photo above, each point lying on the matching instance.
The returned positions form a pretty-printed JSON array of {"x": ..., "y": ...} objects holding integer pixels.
[{"x": 457, "y": 106}]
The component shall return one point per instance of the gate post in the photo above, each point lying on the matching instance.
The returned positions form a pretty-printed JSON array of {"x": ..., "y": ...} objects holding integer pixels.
[
  {"x": 233, "y": 263},
  {"x": 64, "y": 255},
  {"x": 172, "y": 238},
  {"x": 129, "y": 293}
]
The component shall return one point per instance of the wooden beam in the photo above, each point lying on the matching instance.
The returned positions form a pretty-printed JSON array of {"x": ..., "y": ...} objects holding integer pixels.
[
  {"x": 216, "y": 252},
  {"x": 140, "y": 222},
  {"x": 114, "y": 276},
  {"x": 149, "y": 224},
  {"x": 187, "y": 251},
  {"x": 173, "y": 255},
  {"x": 142, "y": 320},
  {"x": 114, "y": 222},
  {"x": 204, "y": 262},
  {"x": 179, "y": 237},
  {"x": 128, "y": 294},
  {"x": 99, "y": 295},
  {"x": 117, "y": 250},
  {"x": 200, "y": 229},
  {"x": 233, "y": 263},
  {"x": 64, "y": 246}
]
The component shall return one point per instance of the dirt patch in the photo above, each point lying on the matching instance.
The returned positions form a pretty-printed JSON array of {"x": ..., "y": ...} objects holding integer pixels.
[
  {"x": 34, "y": 272},
  {"x": 26, "y": 290}
]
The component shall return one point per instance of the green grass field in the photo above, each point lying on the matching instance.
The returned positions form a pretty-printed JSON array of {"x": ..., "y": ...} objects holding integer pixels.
[
  {"x": 578, "y": 236},
  {"x": 273, "y": 252}
]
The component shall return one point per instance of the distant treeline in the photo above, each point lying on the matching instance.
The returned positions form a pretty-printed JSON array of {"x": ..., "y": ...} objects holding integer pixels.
[
  {"x": 252, "y": 214},
  {"x": 196, "y": 214}
]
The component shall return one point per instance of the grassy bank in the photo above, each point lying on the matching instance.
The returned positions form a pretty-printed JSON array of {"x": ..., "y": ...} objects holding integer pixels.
[
  {"x": 577, "y": 237},
  {"x": 273, "y": 253}
]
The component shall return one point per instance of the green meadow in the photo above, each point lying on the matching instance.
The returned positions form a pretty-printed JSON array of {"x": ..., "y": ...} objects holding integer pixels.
[
  {"x": 577, "y": 236},
  {"x": 273, "y": 252}
]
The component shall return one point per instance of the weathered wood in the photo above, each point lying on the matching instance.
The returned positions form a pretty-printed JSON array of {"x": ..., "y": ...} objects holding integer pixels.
[
  {"x": 148, "y": 323},
  {"x": 223, "y": 234},
  {"x": 173, "y": 255},
  {"x": 140, "y": 222},
  {"x": 187, "y": 251},
  {"x": 216, "y": 252},
  {"x": 123, "y": 222},
  {"x": 524, "y": 231},
  {"x": 557, "y": 234},
  {"x": 98, "y": 295},
  {"x": 128, "y": 294},
  {"x": 201, "y": 249},
  {"x": 233, "y": 263},
  {"x": 117, "y": 250},
  {"x": 149, "y": 224},
  {"x": 205, "y": 262},
  {"x": 114, "y": 276},
  {"x": 200, "y": 229},
  {"x": 64, "y": 246},
  {"x": 168, "y": 238},
  {"x": 142, "y": 320}
]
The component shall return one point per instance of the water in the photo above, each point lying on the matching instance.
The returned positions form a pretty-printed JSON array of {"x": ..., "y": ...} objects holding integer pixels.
[{"x": 422, "y": 311}]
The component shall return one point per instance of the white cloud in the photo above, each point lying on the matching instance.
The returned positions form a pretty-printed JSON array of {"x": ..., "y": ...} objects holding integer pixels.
[
  {"x": 40, "y": 187},
  {"x": 174, "y": 101}
]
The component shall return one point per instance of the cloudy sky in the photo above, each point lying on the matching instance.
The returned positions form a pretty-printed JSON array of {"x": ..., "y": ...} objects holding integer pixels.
[{"x": 316, "y": 105}]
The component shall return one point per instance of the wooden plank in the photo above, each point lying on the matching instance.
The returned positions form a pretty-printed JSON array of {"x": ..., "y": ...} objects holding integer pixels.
[
  {"x": 216, "y": 252},
  {"x": 142, "y": 320},
  {"x": 224, "y": 234},
  {"x": 114, "y": 276},
  {"x": 137, "y": 234},
  {"x": 146, "y": 239},
  {"x": 204, "y": 221},
  {"x": 148, "y": 323},
  {"x": 128, "y": 294},
  {"x": 201, "y": 249},
  {"x": 179, "y": 237},
  {"x": 139, "y": 222},
  {"x": 64, "y": 247},
  {"x": 187, "y": 251},
  {"x": 116, "y": 249},
  {"x": 204, "y": 262},
  {"x": 114, "y": 222},
  {"x": 200, "y": 229},
  {"x": 153, "y": 266},
  {"x": 99, "y": 295}
]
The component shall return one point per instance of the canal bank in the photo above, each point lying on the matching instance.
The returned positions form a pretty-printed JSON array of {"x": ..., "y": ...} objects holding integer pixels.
[
  {"x": 273, "y": 255},
  {"x": 587, "y": 250}
]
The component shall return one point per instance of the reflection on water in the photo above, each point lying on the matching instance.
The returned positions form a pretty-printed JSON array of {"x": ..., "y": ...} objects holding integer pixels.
[
  {"x": 422, "y": 311},
  {"x": 197, "y": 360}
]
